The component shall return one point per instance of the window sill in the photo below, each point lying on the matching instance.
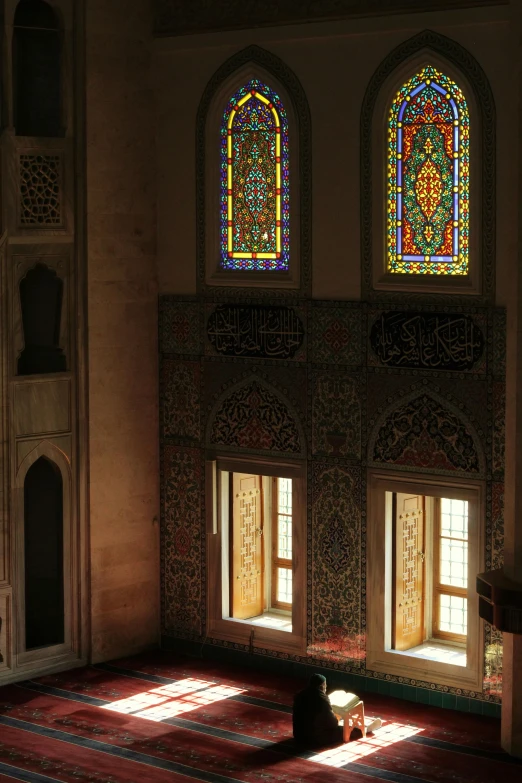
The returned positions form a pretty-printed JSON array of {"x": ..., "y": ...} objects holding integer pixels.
[
  {"x": 426, "y": 284},
  {"x": 435, "y": 651},
  {"x": 275, "y": 620},
  {"x": 252, "y": 279},
  {"x": 245, "y": 632},
  {"x": 420, "y": 668}
]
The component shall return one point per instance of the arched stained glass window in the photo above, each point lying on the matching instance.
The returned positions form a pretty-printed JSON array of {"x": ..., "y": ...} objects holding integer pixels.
[
  {"x": 255, "y": 194},
  {"x": 428, "y": 177}
]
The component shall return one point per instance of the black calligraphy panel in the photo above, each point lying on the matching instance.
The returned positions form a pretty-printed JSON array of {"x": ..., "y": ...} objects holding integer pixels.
[
  {"x": 260, "y": 331},
  {"x": 424, "y": 340}
]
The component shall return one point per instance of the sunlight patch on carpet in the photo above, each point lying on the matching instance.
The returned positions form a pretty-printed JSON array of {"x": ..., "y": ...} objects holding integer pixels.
[
  {"x": 171, "y": 700},
  {"x": 387, "y": 735}
]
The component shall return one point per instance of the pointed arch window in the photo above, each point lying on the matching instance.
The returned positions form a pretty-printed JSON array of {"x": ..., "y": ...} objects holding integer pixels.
[
  {"x": 255, "y": 190},
  {"x": 428, "y": 177}
]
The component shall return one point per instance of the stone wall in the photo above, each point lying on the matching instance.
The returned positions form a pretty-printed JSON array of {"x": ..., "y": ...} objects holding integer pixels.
[{"x": 122, "y": 317}]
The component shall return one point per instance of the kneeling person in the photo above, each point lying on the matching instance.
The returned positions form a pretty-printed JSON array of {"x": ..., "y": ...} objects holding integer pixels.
[{"x": 314, "y": 722}]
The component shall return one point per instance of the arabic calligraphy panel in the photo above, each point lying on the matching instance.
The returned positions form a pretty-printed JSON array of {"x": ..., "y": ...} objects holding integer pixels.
[
  {"x": 428, "y": 341},
  {"x": 257, "y": 331}
]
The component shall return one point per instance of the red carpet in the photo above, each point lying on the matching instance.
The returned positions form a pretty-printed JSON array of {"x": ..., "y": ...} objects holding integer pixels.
[{"x": 160, "y": 718}]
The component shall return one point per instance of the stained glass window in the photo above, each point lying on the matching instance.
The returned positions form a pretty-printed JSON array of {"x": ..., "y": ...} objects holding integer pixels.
[
  {"x": 428, "y": 177},
  {"x": 255, "y": 195}
]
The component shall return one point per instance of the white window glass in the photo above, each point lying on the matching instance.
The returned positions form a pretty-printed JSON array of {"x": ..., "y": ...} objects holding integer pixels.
[
  {"x": 453, "y": 565},
  {"x": 284, "y": 518},
  {"x": 453, "y": 614},
  {"x": 284, "y": 585}
]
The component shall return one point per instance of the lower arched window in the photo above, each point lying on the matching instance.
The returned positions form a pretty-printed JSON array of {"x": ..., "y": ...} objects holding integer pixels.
[{"x": 43, "y": 555}]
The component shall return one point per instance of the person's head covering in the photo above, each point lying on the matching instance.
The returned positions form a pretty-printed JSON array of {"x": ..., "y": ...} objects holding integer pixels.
[{"x": 316, "y": 681}]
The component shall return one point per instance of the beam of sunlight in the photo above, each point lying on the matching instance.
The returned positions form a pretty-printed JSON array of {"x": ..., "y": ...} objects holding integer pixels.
[
  {"x": 387, "y": 735},
  {"x": 169, "y": 701}
]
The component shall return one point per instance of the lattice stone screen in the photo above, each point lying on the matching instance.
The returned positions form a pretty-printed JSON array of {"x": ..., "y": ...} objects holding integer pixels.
[{"x": 40, "y": 190}]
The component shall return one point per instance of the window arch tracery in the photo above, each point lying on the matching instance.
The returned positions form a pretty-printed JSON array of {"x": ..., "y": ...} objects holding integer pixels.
[
  {"x": 428, "y": 177},
  {"x": 255, "y": 187}
]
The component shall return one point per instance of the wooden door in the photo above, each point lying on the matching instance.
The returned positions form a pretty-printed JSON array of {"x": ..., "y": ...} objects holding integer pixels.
[
  {"x": 247, "y": 546},
  {"x": 409, "y": 571}
]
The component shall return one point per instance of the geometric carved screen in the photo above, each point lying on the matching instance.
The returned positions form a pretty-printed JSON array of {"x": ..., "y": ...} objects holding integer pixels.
[
  {"x": 428, "y": 177},
  {"x": 40, "y": 190}
]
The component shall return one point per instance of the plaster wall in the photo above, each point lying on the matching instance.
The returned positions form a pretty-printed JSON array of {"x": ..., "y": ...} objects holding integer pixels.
[
  {"x": 334, "y": 62},
  {"x": 122, "y": 315}
]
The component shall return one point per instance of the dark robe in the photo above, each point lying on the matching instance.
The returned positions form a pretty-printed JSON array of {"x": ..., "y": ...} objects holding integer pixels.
[{"x": 315, "y": 724}]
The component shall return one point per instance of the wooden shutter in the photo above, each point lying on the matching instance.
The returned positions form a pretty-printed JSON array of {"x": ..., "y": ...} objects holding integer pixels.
[
  {"x": 409, "y": 571},
  {"x": 247, "y": 546}
]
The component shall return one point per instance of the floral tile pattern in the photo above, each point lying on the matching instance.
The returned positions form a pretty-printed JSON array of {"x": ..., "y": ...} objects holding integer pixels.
[
  {"x": 499, "y": 428},
  {"x": 336, "y": 335},
  {"x": 182, "y": 541},
  {"x": 336, "y": 416},
  {"x": 336, "y": 558},
  {"x": 253, "y": 417},
  {"x": 179, "y": 324},
  {"x": 422, "y": 433},
  {"x": 180, "y": 382},
  {"x": 497, "y": 525}
]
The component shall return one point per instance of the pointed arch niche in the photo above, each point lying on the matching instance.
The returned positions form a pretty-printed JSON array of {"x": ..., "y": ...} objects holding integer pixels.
[
  {"x": 37, "y": 65},
  {"x": 45, "y": 562},
  {"x": 254, "y": 78},
  {"x": 463, "y": 264}
]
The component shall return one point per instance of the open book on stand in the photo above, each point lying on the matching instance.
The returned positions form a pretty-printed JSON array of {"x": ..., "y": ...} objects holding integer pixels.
[{"x": 342, "y": 702}]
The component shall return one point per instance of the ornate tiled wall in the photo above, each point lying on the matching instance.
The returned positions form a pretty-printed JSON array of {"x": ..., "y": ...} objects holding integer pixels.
[{"x": 346, "y": 386}]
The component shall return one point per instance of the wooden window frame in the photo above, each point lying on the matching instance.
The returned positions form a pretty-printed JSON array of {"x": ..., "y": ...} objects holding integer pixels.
[
  {"x": 380, "y": 655},
  {"x": 226, "y": 628},
  {"x": 442, "y": 589},
  {"x": 277, "y": 562}
]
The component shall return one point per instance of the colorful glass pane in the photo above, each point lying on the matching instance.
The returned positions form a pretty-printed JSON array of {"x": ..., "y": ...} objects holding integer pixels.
[
  {"x": 428, "y": 177},
  {"x": 255, "y": 193}
]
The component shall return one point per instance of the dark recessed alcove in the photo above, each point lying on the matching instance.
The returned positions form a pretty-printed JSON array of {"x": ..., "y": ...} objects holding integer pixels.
[
  {"x": 43, "y": 549},
  {"x": 37, "y": 70},
  {"x": 41, "y": 294}
]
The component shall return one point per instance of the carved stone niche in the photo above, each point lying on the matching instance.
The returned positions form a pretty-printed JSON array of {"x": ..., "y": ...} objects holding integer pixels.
[
  {"x": 41, "y": 305},
  {"x": 36, "y": 50},
  {"x": 500, "y": 601}
]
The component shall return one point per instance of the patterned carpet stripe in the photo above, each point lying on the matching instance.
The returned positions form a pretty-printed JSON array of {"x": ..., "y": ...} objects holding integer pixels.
[
  {"x": 153, "y": 763},
  {"x": 498, "y": 757},
  {"x": 21, "y": 774},
  {"x": 237, "y": 759},
  {"x": 287, "y": 748},
  {"x": 115, "y": 750}
]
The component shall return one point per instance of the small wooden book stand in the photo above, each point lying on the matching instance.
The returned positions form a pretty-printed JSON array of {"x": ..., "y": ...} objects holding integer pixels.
[{"x": 354, "y": 718}]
